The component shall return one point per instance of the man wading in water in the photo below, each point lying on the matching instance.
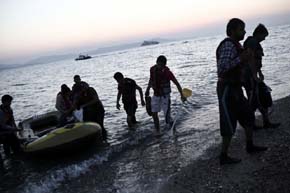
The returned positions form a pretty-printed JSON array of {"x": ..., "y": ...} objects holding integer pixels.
[
  {"x": 127, "y": 90},
  {"x": 160, "y": 77}
]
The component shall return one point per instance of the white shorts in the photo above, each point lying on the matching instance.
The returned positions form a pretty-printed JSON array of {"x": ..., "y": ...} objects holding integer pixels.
[{"x": 159, "y": 103}]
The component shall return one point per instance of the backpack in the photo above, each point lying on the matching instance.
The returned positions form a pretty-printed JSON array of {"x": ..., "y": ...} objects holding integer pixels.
[{"x": 265, "y": 97}]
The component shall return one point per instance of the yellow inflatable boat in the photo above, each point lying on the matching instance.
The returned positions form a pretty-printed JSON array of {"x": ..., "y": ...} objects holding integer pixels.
[{"x": 42, "y": 135}]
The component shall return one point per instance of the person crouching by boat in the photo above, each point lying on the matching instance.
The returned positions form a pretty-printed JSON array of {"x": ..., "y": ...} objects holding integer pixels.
[
  {"x": 127, "y": 90},
  {"x": 8, "y": 127},
  {"x": 64, "y": 105},
  {"x": 93, "y": 109},
  {"x": 160, "y": 77}
]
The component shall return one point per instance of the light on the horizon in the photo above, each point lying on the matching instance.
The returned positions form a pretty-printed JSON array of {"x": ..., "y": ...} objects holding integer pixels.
[{"x": 33, "y": 26}]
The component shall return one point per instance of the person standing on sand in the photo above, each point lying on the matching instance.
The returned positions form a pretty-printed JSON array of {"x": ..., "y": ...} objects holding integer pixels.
[
  {"x": 160, "y": 77},
  {"x": 253, "y": 77},
  {"x": 233, "y": 106}
]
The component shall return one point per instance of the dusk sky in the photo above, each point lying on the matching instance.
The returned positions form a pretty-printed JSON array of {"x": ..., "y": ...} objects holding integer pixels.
[{"x": 31, "y": 28}]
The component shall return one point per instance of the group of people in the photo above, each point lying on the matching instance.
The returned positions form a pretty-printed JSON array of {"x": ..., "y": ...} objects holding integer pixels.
[
  {"x": 237, "y": 67},
  {"x": 240, "y": 67},
  {"x": 159, "y": 81},
  {"x": 84, "y": 97}
]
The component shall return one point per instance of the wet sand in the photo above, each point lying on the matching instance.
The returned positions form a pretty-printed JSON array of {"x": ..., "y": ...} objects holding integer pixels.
[{"x": 267, "y": 172}]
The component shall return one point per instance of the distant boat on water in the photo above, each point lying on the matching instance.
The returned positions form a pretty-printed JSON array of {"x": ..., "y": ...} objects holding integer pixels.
[
  {"x": 147, "y": 43},
  {"x": 83, "y": 57}
]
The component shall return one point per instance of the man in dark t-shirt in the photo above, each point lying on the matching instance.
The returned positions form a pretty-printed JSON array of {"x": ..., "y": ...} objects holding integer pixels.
[
  {"x": 78, "y": 85},
  {"x": 93, "y": 109},
  {"x": 253, "y": 76},
  {"x": 8, "y": 127},
  {"x": 127, "y": 89}
]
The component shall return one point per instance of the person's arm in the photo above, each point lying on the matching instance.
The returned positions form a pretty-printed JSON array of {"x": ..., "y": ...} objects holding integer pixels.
[
  {"x": 95, "y": 100},
  {"x": 253, "y": 67},
  {"x": 95, "y": 97},
  {"x": 261, "y": 75},
  {"x": 171, "y": 77},
  {"x": 141, "y": 95},
  {"x": 4, "y": 128},
  {"x": 147, "y": 93},
  {"x": 174, "y": 80},
  {"x": 118, "y": 100},
  {"x": 251, "y": 46},
  {"x": 58, "y": 104},
  {"x": 13, "y": 121}
]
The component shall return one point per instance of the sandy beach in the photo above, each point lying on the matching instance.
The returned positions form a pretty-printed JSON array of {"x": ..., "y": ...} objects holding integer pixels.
[{"x": 267, "y": 172}]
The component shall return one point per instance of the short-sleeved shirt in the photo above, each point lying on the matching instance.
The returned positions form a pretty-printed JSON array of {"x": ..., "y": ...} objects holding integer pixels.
[
  {"x": 160, "y": 80},
  {"x": 90, "y": 95},
  {"x": 166, "y": 72},
  {"x": 128, "y": 90},
  {"x": 252, "y": 43}
]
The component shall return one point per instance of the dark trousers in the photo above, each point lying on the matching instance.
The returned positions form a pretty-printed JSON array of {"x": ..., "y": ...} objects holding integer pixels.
[
  {"x": 95, "y": 113},
  {"x": 10, "y": 142}
]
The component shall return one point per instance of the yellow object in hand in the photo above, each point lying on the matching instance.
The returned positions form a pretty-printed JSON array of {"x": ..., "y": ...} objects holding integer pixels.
[{"x": 186, "y": 92}]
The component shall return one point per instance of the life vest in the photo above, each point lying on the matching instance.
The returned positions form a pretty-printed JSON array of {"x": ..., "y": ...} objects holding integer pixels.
[
  {"x": 8, "y": 114},
  {"x": 160, "y": 81},
  {"x": 233, "y": 75}
]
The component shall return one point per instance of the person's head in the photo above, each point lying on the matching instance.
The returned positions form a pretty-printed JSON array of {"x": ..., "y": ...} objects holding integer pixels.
[
  {"x": 236, "y": 29},
  {"x": 6, "y": 100},
  {"x": 161, "y": 60},
  {"x": 65, "y": 89},
  {"x": 77, "y": 79},
  {"x": 260, "y": 32},
  {"x": 118, "y": 76}
]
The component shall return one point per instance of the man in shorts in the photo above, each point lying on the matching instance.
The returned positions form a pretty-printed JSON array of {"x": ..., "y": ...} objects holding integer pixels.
[{"x": 160, "y": 77}]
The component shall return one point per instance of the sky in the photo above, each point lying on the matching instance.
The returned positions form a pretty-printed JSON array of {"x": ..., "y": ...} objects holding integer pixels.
[{"x": 30, "y": 28}]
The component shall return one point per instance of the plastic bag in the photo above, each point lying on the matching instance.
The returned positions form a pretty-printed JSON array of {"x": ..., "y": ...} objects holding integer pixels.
[{"x": 78, "y": 114}]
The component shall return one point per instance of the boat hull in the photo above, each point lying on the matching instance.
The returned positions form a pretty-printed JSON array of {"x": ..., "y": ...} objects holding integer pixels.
[
  {"x": 41, "y": 134},
  {"x": 66, "y": 139}
]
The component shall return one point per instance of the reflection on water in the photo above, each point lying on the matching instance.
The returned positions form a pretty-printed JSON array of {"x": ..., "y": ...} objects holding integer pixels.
[{"x": 135, "y": 161}]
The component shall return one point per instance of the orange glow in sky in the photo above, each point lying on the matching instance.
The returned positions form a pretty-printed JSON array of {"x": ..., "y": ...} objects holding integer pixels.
[{"x": 34, "y": 26}]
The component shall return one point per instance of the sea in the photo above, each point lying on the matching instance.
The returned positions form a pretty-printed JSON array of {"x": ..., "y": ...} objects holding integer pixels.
[{"x": 133, "y": 161}]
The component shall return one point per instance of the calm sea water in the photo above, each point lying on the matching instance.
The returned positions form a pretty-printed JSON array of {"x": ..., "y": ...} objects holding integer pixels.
[{"x": 135, "y": 161}]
